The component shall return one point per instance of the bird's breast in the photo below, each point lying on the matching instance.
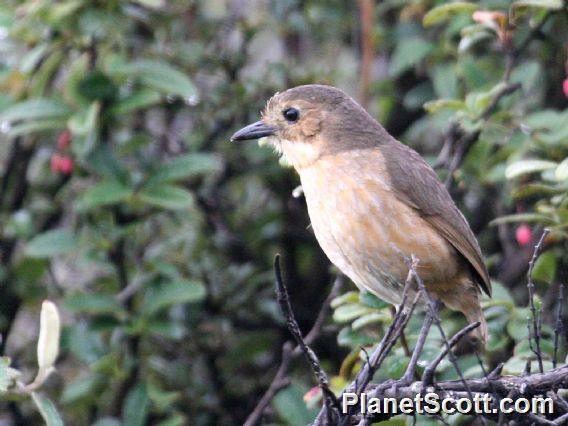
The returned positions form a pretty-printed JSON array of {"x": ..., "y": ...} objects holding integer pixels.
[{"x": 363, "y": 227}]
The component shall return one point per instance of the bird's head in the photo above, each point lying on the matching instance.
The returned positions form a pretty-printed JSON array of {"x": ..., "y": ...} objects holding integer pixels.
[{"x": 306, "y": 122}]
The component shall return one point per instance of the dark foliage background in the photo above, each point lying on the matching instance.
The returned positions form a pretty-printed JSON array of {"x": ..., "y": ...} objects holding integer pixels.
[{"x": 122, "y": 200}]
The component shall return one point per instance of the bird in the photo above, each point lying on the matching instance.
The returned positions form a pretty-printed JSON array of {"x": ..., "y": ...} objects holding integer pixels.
[{"x": 373, "y": 202}]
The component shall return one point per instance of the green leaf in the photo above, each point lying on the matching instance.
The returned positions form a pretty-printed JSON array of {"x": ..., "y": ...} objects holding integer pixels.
[
  {"x": 35, "y": 109},
  {"x": 545, "y": 267},
  {"x": 84, "y": 122},
  {"x": 472, "y": 35},
  {"x": 372, "y": 318},
  {"x": 161, "y": 76},
  {"x": 7, "y": 374},
  {"x": 445, "y": 81},
  {"x": 59, "y": 11},
  {"x": 154, "y": 4},
  {"x": 408, "y": 53},
  {"x": 349, "y": 297},
  {"x": 443, "y": 12},
  {"x": 162, "y": 399},
  {"x": 441, "y": 104},
  {"x": 417, "y": 96},
  {"x": 290, "y": 406},
  {"x": 186, "y": 166},
  {"x": 395, "y": 366},
  {"x": 84, "y": 343},
  {"x": 545, "y": 119},
  {"x": 561, "y": 172},
  {"x": 174, "y": 420},
  {"x": 545, "y": 4},
  {"x": 167, "y": 197},
  {"x": 369, "y": 299},
  {"x": 517, "y": 324},
  {"x": 103, "y": 193},
  {"x": 33, "y": 57},
  {"x": 140, "y": 99},
  {"x": 4, "y": 379},
  {"x": 528, "y": 74},
  {"x": 33, "y": 126},
  {"x": 522, "y": 217},
  {"x": 349, "y": 312},
  {"x": 102, "y": 160},
  {"x": 536, "y": 189},
  {"x": 557, "y": 135},
  {"x": 92, "y": 303},
  {"x": 500, "y": 294},
  {"x": 354, "y": 339},
  {"x": 477, "y": 102},
  {"x": 107, "y": 421},
  {"x": 96, "y": 86},
  {"x": 167, "y": 328},
  {"x": 136, "y": 406},
  {"x": 173, "y": 293},
  {"x": 51, "y": 243},
  {"x": 528, "y": 166},
  {"x": 80, "y": 389},
  {"x": 47, "y": 410}
]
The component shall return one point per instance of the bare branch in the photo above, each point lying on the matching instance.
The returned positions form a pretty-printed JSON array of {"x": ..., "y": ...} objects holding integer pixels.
[
  {"x": 535, "y": 315},
  {"x": 284, "y": 301},
  {"x": 433, "y": 309},
  {"x": 386, "y": 343},
  {"x": 428, "y": 376},
  {"x": 281, "y": 380},
  {"x": 409, "y": 373},
  {"x": 558, "y": 326},
  {"x": 507, "y": 386}
]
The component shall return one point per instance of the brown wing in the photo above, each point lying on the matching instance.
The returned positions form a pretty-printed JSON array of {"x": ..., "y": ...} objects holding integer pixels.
[{"x": 417, "y": 185}]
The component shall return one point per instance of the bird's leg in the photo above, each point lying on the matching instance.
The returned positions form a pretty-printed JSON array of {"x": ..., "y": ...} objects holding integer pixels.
[{"x": 409, "y": 374}]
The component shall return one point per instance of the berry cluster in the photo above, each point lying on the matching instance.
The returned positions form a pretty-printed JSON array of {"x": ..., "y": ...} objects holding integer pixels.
[{"x": 61, "y": 161}]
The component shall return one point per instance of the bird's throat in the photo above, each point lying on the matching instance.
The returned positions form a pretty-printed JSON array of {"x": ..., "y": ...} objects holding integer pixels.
[{"x": 296, "y": 153}]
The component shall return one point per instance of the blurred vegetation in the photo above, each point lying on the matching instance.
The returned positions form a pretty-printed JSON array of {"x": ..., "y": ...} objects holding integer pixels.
[{"x": 122, "y": 201}]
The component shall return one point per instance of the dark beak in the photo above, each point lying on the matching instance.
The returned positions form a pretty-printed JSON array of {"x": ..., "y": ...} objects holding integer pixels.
[{"x": 253, "y": 131}]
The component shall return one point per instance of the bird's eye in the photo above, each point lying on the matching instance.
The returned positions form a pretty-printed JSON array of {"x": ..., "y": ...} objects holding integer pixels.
[{"x": 291, "y": 115}]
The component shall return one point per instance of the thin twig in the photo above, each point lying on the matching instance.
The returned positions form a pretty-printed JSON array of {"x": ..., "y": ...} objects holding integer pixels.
[
  {"x": 381, "y": 351},
  {"x": 432, "y": 306},
  {"x": 527, "y": 369},
  {"x": 558, "y": 326},
  {"x": 428, "y": 376},
  {"x": 284, "y": 302},
  {"x": 506, "y": 386},
  {"x": 535, "y": 315},
  {"x": 315, "y": 332},
  {"x": 562, "y": 420},
  {"x": 280, "y": 380},
  {"x": 393, "y": 332},
  {"x": 426, "y": 325},
  {"x": 496, "y": 373},
  {"x": 531, "y": 36}
]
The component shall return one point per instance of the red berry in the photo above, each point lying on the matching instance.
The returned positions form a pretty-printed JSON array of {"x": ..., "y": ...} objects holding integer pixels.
[
  {"x": 523, "y": 235},
  {"x": 66, "y": 165},
  {"x": 61, "y": 164},
  {"x": 565, "y": 87},
  {"x": 55, "y": 162},
  {"x": 64, "y": 140},
  {"x": 311, "y": 394}
]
